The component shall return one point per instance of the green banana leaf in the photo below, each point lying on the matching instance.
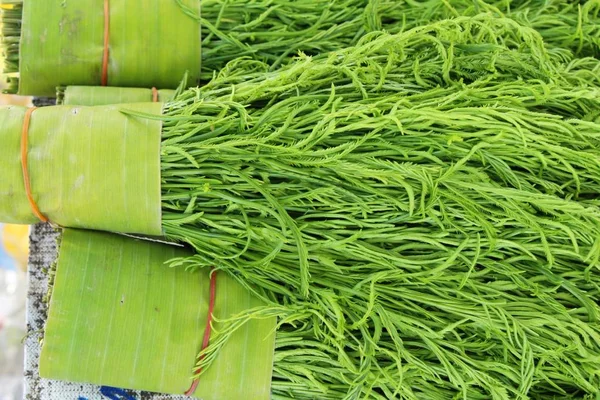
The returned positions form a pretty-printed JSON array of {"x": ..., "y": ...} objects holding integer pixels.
[
  {"x": 90, "y": 167},
  {"x": 105, "y": 95},
  {"x": 152, "y": 44},
  {"x": 119, "y": 317}
]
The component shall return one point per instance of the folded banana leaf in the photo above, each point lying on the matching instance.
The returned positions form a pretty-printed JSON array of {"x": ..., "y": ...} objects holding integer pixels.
[
  {"x": 120, "y": 317},
  {"x": 88, "y": 167},
  {"x": 62, "y": 42},
  {"x": 106, "y": 95}
]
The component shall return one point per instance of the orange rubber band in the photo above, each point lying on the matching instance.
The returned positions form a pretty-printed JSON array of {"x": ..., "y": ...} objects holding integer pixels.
[
  {"x": 106, "y": 41},
  {"x": 207, "y": 330},
  {"x": 24, "y": 166},
  {"x": 155, "y": 95}
]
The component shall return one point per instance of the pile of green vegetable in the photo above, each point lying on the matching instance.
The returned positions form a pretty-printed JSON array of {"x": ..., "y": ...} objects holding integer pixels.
[
  {"x": 420, "y": 211},
  {"x": 572, "y": 25}
]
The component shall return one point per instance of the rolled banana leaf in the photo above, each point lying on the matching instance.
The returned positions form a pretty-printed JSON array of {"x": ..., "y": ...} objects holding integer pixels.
[
  {"x": 106, "y": 95},
  {"x": 119, "y": 317},
  {"x": 151, "y": 43},
  {"x": 88, "y": 167}
]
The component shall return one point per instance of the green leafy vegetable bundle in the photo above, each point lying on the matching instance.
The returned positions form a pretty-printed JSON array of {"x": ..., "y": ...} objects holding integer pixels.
[
  {"x": 426, "y": 202},
  {"x": 47, "y": 45},
  {"x": 140, "y": 44},
  {"x": 419, "y": 211}
]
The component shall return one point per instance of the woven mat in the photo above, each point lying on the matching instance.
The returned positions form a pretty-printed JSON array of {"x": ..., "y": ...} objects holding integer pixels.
[{"x": 43, "y": 253}]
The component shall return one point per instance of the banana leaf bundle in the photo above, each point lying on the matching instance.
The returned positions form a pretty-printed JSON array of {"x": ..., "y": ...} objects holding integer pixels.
[
  {"x": 419, "y": 211},
  {"x": 106, "y": 95},
  {"x": 118, "y": 317}
]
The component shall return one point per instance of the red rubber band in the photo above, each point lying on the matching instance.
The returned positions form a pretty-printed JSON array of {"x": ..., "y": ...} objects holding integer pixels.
[
  {"x": 208, "y": 329},
  {"x": 24, "y": 165},
  {"x": 105, "y": 54},
  {"x": 155, "y": 95}
]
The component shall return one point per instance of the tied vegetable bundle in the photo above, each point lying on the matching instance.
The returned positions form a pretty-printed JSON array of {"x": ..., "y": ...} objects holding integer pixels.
[
  {"x": 46, "y": 45},
  {"x": 426, "y": 203},
  {"x": 420, "y": 211},
  {"x": 140, "y": 44}
]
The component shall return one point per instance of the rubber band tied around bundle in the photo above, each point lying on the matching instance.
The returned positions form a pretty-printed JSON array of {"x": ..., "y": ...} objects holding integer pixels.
[
  {"x": 106, "y": 52},
  {"x": 208, "y": 329},
  {"x": 25, "y": 166}
]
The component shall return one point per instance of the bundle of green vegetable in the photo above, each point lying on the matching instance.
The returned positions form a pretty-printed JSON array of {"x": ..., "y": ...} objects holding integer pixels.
[
  {"x": 420, "y": 211},
  {"x": 425, "y": 203},
  {"x": 57, "y": 49},
  {"x": 81, "y": 42}
]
